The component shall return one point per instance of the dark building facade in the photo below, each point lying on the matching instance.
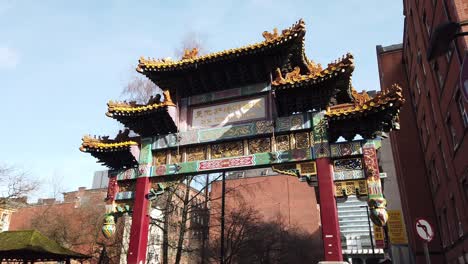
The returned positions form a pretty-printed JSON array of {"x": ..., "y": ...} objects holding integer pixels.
[{"x": 431, "y": 149}]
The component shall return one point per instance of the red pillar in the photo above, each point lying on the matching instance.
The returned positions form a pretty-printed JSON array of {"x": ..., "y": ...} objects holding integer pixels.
[
  {"x": 140, "y": 223},
  {"x": 328, "y": 211}
]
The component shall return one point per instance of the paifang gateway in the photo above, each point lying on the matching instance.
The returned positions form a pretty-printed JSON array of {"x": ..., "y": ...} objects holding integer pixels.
[{"x": 260, "y": 105}]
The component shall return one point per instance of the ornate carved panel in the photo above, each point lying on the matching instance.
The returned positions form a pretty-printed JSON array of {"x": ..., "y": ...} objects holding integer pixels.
[
  {"x": 264, "y": 127},
  {"x": 229, "y": 149},
  {"x": 259, "y": 145},
  {"x": 356, "y": 187},
  {"x": 302, "y": 140},
  {"x": 348, "y": 175},
  {"x": 308, "y": 168},
  {"x": 282, "y": 143},
  {"x": 176, "y": 155},
  {"x": 287, "y": 169},
  {"x": 196, "y": 153},
  {"x": 297, "y": 122},
  {"x": 348, "y": 164},
  {"x": 312, "y": 141},
  {"x": 127, "y": 186},
  {"x": 159, "y": 158},
  {"x": 345, "y": 149}
]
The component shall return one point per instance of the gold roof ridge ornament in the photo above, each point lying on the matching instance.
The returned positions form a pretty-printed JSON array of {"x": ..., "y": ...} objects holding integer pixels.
[
  {"x": 190, "y": 54},
  {"x": 360, "y": 98},
  {"x": 295, "y": 31},
  {"x": 133, "y": 107},
  {"x": 316, "y": 71},
  {"x": 314, "y": 68},
  {"x": 270, "y": 36},
  {"x": 167, "y": 98},
  {"x": 391, "y": 97},
  {"x": 104, "y": 143}
]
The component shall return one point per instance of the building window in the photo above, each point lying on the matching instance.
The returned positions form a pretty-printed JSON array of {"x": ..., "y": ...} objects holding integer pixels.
[
  {"x": 428, "y": 133},
  {"x": 458, "y": 224},
  {"x": 448, "y": 54},
  {"x": 444, "y": 160},
  {"x": 428, "y": 27},
  {"x": 464, "y": 184},
  {"x": 447, "y": 226},
  {"x": 462, "y": 109},
  {"x": 417, "y": 86},
  {"x": 415, "y": 104},
  {"x": 431, "y": 105},
  {"x": 453, "y": 132},
  {"x": 439, "y": 77},
  {"x": 435, "y": 177},
  {"x": 442, "y": 231},
  {"x": 408, "y": 50},
  {"x": 424, "y": 69}
]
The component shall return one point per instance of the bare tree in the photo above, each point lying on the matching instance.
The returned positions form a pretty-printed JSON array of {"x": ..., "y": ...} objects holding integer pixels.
[
  {"x": 140, "y": 89},
  {"x": 78, "y": 226},
  {"x": 184, "y": 220},
  {"x": 17, "y": 184},
  {"x": 191, "y": 40},
  {"x": 249, "y": 239}
]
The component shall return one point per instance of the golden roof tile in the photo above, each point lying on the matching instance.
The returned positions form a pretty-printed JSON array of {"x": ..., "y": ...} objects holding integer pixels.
[
  {"x": 190, "y": 57},
  {"x": 131, "y": 108},
  {"x": 317, "y": 73},
  {"x": 100, "y": 144},
  {"x": 190, "y": 54},
  {"x": 391, "y": 97}
]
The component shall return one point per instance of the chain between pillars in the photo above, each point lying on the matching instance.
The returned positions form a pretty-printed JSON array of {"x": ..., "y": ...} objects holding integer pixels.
[{"x": 140, "y": 218}]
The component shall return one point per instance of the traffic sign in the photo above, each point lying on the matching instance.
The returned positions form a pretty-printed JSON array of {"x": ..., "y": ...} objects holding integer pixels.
[{"x": 424, "y": 230}]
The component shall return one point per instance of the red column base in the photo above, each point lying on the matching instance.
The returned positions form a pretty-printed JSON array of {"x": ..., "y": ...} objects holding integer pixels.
[
  {"x": 140, "y": 223},
  {"x": 328, "y": 211}
]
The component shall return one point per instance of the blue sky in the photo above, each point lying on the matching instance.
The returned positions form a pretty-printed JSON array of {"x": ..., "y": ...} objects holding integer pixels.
[{"x": 61, "y": 61}]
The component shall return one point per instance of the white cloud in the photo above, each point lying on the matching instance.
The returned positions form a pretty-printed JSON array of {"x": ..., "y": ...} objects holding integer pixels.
[{"x": 9, "y": 58}]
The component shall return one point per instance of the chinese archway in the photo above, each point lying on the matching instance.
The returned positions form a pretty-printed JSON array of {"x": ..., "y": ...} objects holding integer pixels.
[{"x": 261, "y": 105}]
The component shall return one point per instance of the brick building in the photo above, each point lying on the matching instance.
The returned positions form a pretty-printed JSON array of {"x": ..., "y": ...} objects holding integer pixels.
[
  {"x": 266, "y": 204},
  {"x": 431, "y": 149},
  {"x": 74, "y": 222}
]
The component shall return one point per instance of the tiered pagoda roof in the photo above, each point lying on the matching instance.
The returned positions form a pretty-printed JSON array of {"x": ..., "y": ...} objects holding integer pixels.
[
  {"x": 148, "y": 119},
  {"x": 317, "y": 89},
  {"x": 380, "y": 112},
  {"x": 230, "y": 68},
  {"x": 298, "y": 85},
  {"x": 113, "y": 153}
]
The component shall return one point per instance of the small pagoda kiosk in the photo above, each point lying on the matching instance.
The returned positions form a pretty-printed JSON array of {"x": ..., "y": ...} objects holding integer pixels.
[{"x": 261, "y": 105}]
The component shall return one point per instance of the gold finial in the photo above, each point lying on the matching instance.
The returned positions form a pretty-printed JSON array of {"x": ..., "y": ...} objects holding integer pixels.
[
  {"x": 279, "y": 77},
  {"x": 190, "y": 54},
  {"x": 270, "y": 36},
  {"x": 360, "y": 98},
  {"x": 314, "y": 68},
  {"x": 295, "y": 75},
  {"x": 167, "y": 98}
]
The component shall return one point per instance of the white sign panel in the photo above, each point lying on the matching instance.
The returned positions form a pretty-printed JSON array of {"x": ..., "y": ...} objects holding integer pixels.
[
  {"x": 222, "y": 114},
  {"x": 424, "y": 230}
]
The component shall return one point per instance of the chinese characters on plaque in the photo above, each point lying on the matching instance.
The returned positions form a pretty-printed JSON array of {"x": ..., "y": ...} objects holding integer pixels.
[{"x": 223, "y": 114}]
